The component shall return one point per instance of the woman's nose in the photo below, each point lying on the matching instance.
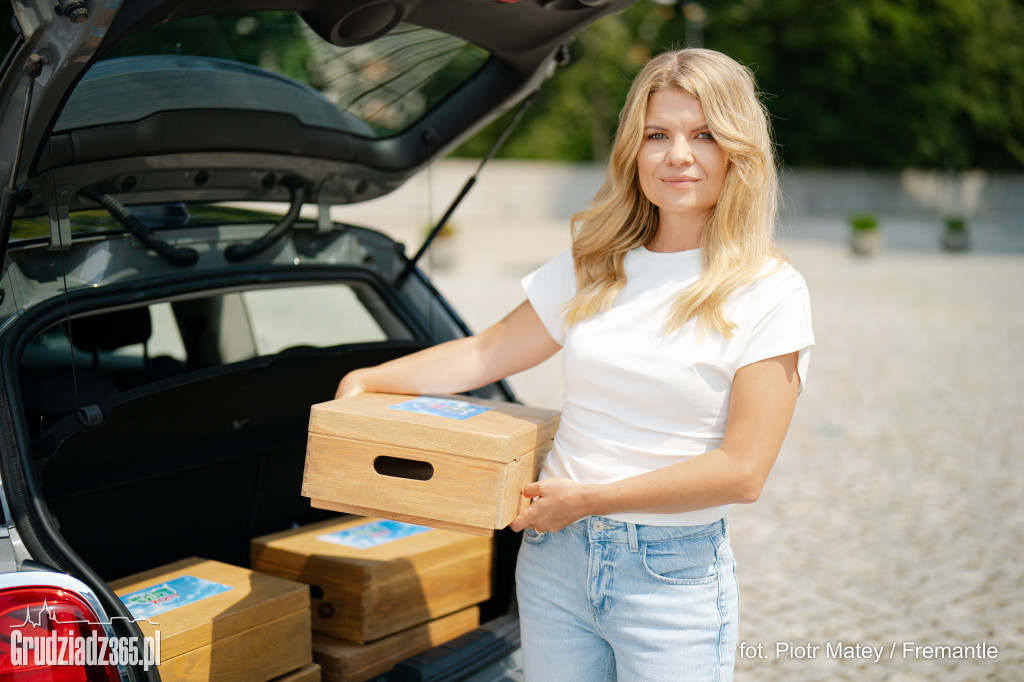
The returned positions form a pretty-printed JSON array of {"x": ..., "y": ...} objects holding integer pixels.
[{"x": 679, "y": 153}]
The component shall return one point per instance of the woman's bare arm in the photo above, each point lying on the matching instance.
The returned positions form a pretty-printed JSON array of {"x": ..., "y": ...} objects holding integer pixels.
[
  {"x": 760, "y": 408},
  {"x": 517, "y": 342}
]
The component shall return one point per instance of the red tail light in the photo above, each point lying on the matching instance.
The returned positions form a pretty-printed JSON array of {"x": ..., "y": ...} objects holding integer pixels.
[{"x": 48, "y": 618}]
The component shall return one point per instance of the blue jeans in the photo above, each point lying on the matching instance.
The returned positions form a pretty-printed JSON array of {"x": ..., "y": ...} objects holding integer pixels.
[{"x": 604, "y": 600}]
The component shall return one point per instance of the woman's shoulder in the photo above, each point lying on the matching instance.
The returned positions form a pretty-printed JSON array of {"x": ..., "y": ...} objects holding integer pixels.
[
  {"x": 776, "y": 280},
  {"x": 556, "y": 275},
  {"x": 777, "y": 272},
  {"x": 563, "y": 259}
]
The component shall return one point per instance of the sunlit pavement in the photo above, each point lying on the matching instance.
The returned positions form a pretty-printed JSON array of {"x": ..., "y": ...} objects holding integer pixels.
[
  {"x": 892, "y": 520},
  {"x": 893, "y": 515}
]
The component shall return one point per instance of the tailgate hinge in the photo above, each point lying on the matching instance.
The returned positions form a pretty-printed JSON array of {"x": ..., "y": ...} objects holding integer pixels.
[{"x": 60, "y": 218}]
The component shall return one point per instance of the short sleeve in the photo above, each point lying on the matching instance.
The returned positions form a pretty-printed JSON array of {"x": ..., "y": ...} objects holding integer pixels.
[
  {"x": 783, "y": 322},
  {"x": 548, "y": 288}
]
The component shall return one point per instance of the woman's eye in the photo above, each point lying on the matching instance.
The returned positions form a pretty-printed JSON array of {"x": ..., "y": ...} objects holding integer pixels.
[
  {"x": 705, "y": 136},
  {"x": 656, "y": 136}
]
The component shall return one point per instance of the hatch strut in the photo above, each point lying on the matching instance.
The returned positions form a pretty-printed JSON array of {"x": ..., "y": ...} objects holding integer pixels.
[
  {"x": 411, "y": 265},
  {"x": 33, "y": 67}
]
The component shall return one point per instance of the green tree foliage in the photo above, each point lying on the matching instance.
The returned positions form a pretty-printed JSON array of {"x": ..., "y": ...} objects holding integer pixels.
[
  {"x": 863, "y": 83},
  {"x": 576, "y": 116},
  {"x": 884, "y": 83}
]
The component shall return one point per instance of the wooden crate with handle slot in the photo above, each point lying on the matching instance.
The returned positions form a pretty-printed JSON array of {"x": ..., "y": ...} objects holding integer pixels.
[{"x": 450, "y": 462}]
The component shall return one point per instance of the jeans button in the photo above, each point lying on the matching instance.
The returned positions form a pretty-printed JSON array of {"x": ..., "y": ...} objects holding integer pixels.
[{"x": 598, "y": 525}]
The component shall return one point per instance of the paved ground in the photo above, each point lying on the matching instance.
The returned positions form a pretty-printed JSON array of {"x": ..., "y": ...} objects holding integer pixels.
[
  {"x": 892, "y": 518},
  {"x": 893, "y": 515}
]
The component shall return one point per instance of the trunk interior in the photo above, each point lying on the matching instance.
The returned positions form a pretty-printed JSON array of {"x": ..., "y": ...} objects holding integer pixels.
[{"x": 163, "y": 461}]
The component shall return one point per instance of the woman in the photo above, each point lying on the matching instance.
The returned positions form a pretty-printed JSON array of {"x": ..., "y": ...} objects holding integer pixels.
[{"x": 685, "y": 336}]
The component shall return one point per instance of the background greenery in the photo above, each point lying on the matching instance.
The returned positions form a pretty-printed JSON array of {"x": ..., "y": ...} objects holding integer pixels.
[{"x": 878, "y": 84}]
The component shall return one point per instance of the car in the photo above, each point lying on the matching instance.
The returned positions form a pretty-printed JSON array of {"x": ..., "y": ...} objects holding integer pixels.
[{"x": 163, "y": 332}]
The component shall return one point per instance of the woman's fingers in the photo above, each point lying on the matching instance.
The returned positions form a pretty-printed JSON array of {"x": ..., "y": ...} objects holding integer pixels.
[{"x": 554, "y": 504}]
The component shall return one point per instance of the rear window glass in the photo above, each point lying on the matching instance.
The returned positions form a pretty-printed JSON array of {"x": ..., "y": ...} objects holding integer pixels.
[
  {"x": 315, "y": 316},
  {"x": 126, "y": 348},
  {"x": 386, "y": 84},
  {"x": 220, "y": 329}
]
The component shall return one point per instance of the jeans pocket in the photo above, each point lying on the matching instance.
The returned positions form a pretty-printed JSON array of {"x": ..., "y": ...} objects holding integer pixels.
[
  {"x": 682, "y": 561},
  {"x": 534, "y": 537}
]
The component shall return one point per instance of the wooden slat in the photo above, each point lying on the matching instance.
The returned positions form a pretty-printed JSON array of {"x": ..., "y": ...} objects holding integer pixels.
[
  {"x": 300, "y": 555},
  {"x": 254, "y": 655},
  {"x": 381, "y": 609},
  {"x": 346, "y": 662},
  {"x": 371, "y": 593},
  {"x": 405, "y": 518},
  {"x": 307, "y": 673},
  {"x": 501, "y": 434}
]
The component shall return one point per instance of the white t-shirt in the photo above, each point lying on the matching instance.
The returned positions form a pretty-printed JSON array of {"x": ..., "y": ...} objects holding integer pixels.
[{"x": 637, "y": 399}]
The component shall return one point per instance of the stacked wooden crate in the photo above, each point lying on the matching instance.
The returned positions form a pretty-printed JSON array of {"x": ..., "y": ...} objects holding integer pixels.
[
  {"x": 382, "y": 590},
  {"x": 217, "y": 622}
]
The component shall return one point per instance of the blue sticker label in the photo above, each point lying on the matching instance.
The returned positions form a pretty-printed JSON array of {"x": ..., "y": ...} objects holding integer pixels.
[
  {"x": 373, "y": 534},
  {"x": 441, "y": 407},
  {"x": 172, "y": 594}
]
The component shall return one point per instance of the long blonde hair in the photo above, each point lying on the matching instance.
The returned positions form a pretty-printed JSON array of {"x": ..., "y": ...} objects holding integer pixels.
[{"x": 738, "y": 237}]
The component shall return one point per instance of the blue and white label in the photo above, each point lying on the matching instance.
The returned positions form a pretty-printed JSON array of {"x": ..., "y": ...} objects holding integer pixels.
[
  {"x": 373, "y": 534},
  {"x": 172, "y": 594},
  {"x": 441, "y": 407}
]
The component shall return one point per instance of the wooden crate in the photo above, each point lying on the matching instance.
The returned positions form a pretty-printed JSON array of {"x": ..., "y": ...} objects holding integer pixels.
[
  {"x": 251, "y": 627},
  {"x": 363, "y": 593},
  {"x": 370, "y": 455},
  {"x": 343, "y": 661}
]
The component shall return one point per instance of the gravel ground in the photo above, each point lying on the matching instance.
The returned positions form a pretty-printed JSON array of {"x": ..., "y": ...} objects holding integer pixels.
[
  {"x": 892, "y": 517},
  {"x": 893, "y": 514}
]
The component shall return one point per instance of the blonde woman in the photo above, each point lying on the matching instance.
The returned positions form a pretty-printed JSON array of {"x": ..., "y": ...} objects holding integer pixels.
[{"x": 685, "y": 338}]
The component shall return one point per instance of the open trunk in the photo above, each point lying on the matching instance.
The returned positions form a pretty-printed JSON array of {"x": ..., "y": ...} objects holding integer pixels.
[{"x": 174, "y": 425}]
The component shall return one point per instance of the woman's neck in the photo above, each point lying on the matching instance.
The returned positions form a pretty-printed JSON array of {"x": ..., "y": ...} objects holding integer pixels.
[{"x": 677, "y": 233}]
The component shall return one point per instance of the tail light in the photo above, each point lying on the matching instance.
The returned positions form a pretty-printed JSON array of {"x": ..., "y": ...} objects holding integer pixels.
[{"x": 52, "y": 619}]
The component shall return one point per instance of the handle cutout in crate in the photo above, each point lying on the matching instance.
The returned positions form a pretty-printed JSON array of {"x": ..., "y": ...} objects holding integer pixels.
[{"x": 399, "y": 467}]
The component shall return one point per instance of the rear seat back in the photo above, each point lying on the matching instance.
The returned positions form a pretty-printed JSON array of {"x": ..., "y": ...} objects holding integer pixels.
[{"x": 111, "y": 330}]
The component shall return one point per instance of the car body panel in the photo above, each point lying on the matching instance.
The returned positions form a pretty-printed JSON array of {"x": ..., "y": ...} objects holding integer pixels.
[{"x": 523, "y": 40}]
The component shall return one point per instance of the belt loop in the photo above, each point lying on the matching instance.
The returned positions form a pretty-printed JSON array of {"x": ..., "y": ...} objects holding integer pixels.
[{"x": 631, "y": 531}]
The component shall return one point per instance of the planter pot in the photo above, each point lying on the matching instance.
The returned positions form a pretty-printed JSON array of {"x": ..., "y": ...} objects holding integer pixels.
[
  {"x": 955, "y": 240},
  {"x": 865, "y": 242}
]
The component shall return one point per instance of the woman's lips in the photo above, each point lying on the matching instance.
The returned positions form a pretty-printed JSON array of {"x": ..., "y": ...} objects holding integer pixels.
[{"x": 679, "y": 181}]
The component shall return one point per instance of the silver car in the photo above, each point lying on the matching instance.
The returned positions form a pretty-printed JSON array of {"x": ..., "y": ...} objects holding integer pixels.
[{"x": 168, "y": 313}]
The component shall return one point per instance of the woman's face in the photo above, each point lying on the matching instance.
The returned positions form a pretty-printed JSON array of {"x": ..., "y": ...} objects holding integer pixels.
[{"x": 681, "y": 167}]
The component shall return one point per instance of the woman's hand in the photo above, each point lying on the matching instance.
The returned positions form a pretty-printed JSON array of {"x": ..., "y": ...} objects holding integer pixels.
[
  {"x": 556, "y": 502},
  {"x": 350, "y": 385}
]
